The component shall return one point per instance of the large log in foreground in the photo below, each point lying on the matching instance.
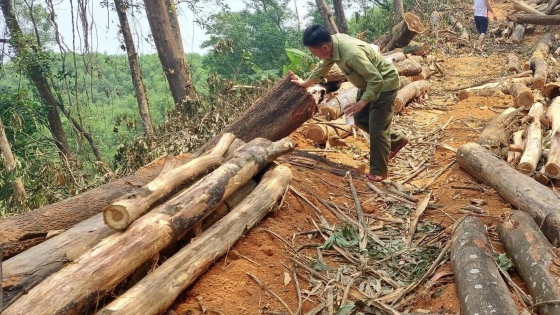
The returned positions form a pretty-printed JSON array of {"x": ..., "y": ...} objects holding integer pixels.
[
  {"x": 552, "y": 166},
  {"x": 72, "y": 289},
  {"x": 120, "y": 213},
  {"x": 410, "y": 92},
  {"x": 533, "y": 258},
  {"x": 496, "y": 135},
  {"x": 411, "y": 27},
  {"x": 476, "y": 273},
  {"x": 273, "y": 116},
  {"x": 157, "y": 291},
  {"x": 23, "y": 231},
  {"x": 535, "y": 19},
  {"x": 523, "y": 192},
  {"x": 533, "y": 143}
]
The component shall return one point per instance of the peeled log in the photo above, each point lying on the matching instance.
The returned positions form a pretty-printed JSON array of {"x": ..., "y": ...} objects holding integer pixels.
[
  {"x": 496, "y": 134},
  {"x": 523, "y": 192},
  {"x": 23, "y": 231},
  {"x": 513, "y": 63},
  {"x": 533, "y": 142},
  {"x": 476, "y": 273},
  {"x": 410, "y": 92},
  {"x": 517, "y": 33},
  {"x": 533, "y": 258},
  {"x": 522, "y": 95},
  {"x": 120, "y": 213},
  {"x": 120, "y": 254},
  {"x": 157, "y": 291},
  {"x": 492, "y": 88},
  {"x": 411, "y": 27},
  {"x": 552, "y": 166},
  {"x": 408, "y": 67},
  {"x": 275, "y": 115}
]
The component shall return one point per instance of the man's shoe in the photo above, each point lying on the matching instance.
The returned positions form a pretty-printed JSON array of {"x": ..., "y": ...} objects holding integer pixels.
[
  {"x": 393, "y": 153},
  {"x": 375, "y": 178}
]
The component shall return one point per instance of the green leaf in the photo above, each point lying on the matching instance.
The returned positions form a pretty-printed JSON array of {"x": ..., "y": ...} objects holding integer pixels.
[
  {"x": 504, "y": 262},
  {"x": 346, "y": 309}
]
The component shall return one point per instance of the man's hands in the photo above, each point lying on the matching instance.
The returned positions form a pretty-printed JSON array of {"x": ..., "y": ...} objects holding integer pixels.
[
  {"x": 301, "y": 82},
  {"x": 352, "y": 108}
]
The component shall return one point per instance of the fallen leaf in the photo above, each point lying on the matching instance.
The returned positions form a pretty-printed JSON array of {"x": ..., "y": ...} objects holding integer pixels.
[{"x": 287, "y": 278}]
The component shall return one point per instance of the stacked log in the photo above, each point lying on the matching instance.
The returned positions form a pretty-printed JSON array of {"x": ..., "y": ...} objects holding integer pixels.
[
  {"x": 517, "y": 33},
  {"x": 332, "y": 109},
  {"x": 552, "y": 166},
  {"x": 410, "y": 92},
  {"x": 538, "y": 60},
  {"x": 332, "y": 132},
  {"x": 496, "y": 134},
  {"x": 533, "y": 143},
  {"x": 513, "y": 63},
  {"x": 410, "y": 27},
  {"x": 408, "y": 67}
]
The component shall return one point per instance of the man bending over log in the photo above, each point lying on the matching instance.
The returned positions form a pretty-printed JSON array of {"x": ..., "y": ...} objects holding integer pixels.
[
  {"x": 481, "y": 9},
  {"x": 377, "y": 81}
]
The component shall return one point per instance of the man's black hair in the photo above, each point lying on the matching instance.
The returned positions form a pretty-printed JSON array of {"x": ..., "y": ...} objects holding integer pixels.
[{"x": 316, "y": 35}]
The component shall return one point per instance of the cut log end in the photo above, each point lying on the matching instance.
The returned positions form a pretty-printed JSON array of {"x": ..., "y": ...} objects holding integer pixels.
[
  {"x": 526, "y": 168},
  {"x": 553, "y": 170},
  {"x": 116, "y": 217},
  {"x": 399, "y": 105},
  {"x": 414, "y": 23}
]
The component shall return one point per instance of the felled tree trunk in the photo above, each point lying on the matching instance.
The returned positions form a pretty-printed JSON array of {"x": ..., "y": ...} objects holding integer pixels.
[
  {"x": 551, "y": 6},
  {"x": 404, "y": 81},
  {"x": 522, "y": 95},
  {"x": 552, "y": 166},
  {"x": 328, "y": 132},
  {"x": 408, "y": 67},
  {"x": 411, "y": 27},
  {"x": 273, "y": 116},
  {"x": 517, "y": 33},
  {"x": 333, "y": 108},
  {"x": 533, "y": 258},
  {"x": 335, "y": 74},
  {"x": 521, "y": 6},
  {"x": 538, "y": 60},
  {"x": 537, "y": 19},
  {"x": 416, "y": 48},
  {"x": 410, "y": 92},
  {"x": 157, "y": 291},
  {"x": 524, "y": 193},
  {"x": 533, "y": 142},
  {"x": 513, "y": 63},
  {"x": 120, "y": 213},
  {"x": 424, "y": 75},
  {"x": 458, "y": 26},
  {"x": 23, "y": 231},
  {"x": 476, "y": 273},
  {"x": 119, "y": 255},
  {"x": 496, "y": 134}
]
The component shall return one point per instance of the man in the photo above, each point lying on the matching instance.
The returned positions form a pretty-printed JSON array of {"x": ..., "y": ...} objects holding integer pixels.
[
  {"x": 377, "y": 81},
  {"x": 481, "y": 9}
]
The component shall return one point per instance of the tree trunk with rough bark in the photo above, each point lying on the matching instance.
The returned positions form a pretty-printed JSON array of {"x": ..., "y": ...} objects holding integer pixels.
[
  {"x": 535, "y": 19},
  {"x": 340, "y": 17},
  {"x": 523, "y": 192},
  {"x": 175, "y": 27},
  {"x": 399, "y": 8},
  {"x": 171, "y": 57},
  {"x": 327, "y": 16},
  {"x": 139, "y": 88},
  {"x": 6, "y": 150}
]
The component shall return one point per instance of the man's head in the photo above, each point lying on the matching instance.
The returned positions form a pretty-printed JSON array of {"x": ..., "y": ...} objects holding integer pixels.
[{"x": 318, "y": 40}]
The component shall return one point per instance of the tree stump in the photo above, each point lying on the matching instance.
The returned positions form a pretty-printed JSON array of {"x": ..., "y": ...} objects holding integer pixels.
[{"x": 411, "y": 27}]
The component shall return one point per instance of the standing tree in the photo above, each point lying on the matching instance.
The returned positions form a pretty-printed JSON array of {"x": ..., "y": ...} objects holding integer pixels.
[
  {"x": 174, "y": 22},
  {"x": 170, "y": 55},
  {"x": 6, "y": 150},
  {"x": 340, "y": 18},
  {"x": 399, "y": 9},
  {"x": 139, "y": 88},
  {"x": 36, "y": 75},
  {"x": 327, "y": 16}
]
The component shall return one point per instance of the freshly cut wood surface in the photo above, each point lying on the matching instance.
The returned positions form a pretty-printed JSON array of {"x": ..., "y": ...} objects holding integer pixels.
[
  {"x": 533, "y": 142},
  {"x": 495, "y": 135}
]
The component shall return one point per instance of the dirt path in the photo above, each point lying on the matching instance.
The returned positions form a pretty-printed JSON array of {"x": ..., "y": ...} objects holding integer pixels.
[{"x": 226, "y": 288}]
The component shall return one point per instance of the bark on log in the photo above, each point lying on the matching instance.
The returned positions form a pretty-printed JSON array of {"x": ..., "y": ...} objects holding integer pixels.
[
  {"x": 410, "y": 92},
  {"x": 541, "y": 176},
  {"x": 408, "y": 67},
  {"x": 159, "y": 228},
  {"x": 556, "y": 53},
  {"x": 533, "y": 143},
  {"x": 535, "y": 19},
  {"x": 404, "y": 81},
  {"x": 120, "y": 213},
  {"x": 493, "y": 88},
  {"x": 539, "y": 201},
  {"x": 333, "y": 108},
  {"x": 411, "y": 27},
  {"x": 329, "y": 132},
  {"x": 23, "y": 231},
  {"x": 157, "y": 291},
  {"x": 533, "y": 258},
  {"x": 424, "y": 75},
  {"x": 552, "y": 166},
  {"x": 496, "y": 134},
  {"x": 513, "y": 63},
  {"x": 435, "y": 20},
  {"x": 396, "y": 57},
  {"x": 274, "y": 116},
  {"x": 517, "y": 33},
  {"x": 551, "y": 90},
  {"x": 530, "y": 29},
  {"x": 458, "y": 26},
  {"x": 522, "y": 95},
  {"x": 521, "y": 6},
  {"x": 476, "y": 273},
  {"x": 540, "y": 70},
  {"x": 416, "y": 48},
  {"x": 551, "y": 6},
  {"x": 383, "y": 40}
]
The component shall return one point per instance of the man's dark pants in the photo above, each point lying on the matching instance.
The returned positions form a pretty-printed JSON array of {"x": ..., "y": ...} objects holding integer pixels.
[{"x": 375, "y": 119}]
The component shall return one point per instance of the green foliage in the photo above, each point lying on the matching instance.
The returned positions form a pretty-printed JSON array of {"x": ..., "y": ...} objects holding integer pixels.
[
  {"x": 300, "y": 62},
  {"x": 503, "y": 261}
]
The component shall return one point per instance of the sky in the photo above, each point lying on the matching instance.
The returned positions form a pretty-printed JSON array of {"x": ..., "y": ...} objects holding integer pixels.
[{"x": 104, "y": 37}]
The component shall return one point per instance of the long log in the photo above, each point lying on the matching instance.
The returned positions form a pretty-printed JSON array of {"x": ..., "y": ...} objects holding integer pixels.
[
  {"x": 552, "y": 166},
  {"x": 522, "y": 95},
  {"x": 157, "y": 291},
  {"x": 408, "y": 67},
  {"x": 551, "y": 6},
  {"x": 495, "y": 135},
  {"x": 494, "y": 88},
  {"x": 410, "y": 92},
  {"x": 517, "y": 33},
  {"x": 23, "y": 231},
  {"x": 328, "y": 132},
  {"x": 533, "y": 143},
  {"x": 332, "y": 109},
  {"x": 513, "y": 63},
  {"x": 411, "y": 27},
  {"x": 521, "y": 6},
  {"x": 538, "y": 60},
  {"x": 476, "y": 273},
  {"x": 73, "y": 288},
  {"x": 533, "y": 258},
  {"x": 416, "y": 48},
  {"x": 523, "y": 192},
  {"x": 273, "y": 116},
  {"x": 120, "y": 213},
  {"x": 537, "y": 19}
]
